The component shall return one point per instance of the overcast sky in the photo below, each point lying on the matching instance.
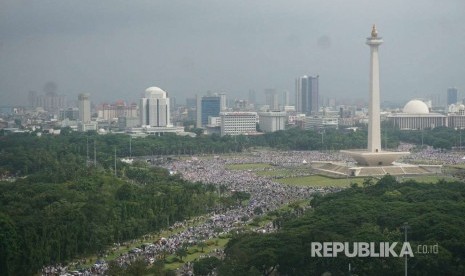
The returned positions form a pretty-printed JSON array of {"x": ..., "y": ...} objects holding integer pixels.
[{"x": 115, "y": 49}]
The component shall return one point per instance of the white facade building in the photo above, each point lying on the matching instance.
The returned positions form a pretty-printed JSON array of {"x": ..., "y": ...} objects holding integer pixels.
[
  {"x": 272, "y": 121},
  {"x": 416, "y": 115},
  {"x": 214, "y": 121},
  {"x": 223, "y": 105},
  {"x": 321, "y": 122},
  {"x": 87, "y": 126},
  {"x": 155, "y": 108},
  {"x": 235, "y": 123},
  {"x": 109, "y": 112}
]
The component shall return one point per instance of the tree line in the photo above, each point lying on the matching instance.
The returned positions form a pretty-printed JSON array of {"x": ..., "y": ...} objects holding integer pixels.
[
  {"x": 373, "y": 213},
  {"x": 24, "y": 154},
  {"x": 62, "y": 206}
]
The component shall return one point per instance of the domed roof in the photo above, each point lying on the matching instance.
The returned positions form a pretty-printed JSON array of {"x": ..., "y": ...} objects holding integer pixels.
[
  {"x": 416, "y": 107},
  {"x": 155, "y": 92}
]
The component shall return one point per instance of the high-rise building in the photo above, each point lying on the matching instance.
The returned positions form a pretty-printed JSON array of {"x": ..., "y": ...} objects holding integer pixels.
[
  {"x": 51, "y": 101},
  {"x": 71, "y": 113},
  {"x": 452, "y": 95},
  {"x": 84, "y": 107},
  {"x": 252, "y": 99},
  {"x": 307, "y": 94},
  {"x": 223, "y": 104},
  {"x": 32, "y": 98},
  {"x": 198, "y": 111},
  {"x": 285, "y": 98},
  {"x": 191, "y": 103},
  {"x": 210, "y": 106},
  {"x": 155, "y": 108},
  {"x": 271, "y": 99}
]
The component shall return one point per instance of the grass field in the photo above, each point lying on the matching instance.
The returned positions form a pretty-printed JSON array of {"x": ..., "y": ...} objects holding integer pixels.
[
  {"x": 319, "y": 181},
  {"x": 194, "y": 253},
  {"x": 322, "y": 181},
  {"x": 457, "y": 166},
  {"x": 279, "y": 172}
]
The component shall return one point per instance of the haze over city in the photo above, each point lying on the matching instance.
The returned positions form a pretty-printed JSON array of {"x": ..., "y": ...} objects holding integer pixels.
[{"x": 116, "y": 49}]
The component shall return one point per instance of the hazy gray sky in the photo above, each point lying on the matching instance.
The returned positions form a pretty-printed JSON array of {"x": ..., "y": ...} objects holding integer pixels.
[{"x": 114, "y": 49}]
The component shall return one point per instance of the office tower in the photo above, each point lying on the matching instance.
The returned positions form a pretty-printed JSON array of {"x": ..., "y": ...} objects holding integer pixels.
[
  {"x": 51, "y": 101},
  {"x": 155, "y": 108},
  {"x": 452, "y": 95},
  {"x": 285, "y": 98},
  {"x": 191, "y": 103},
  {"x": 84, "y": 107},
  {"x": 210, "y": 106},
  {"x": 173, "y": 103},
  {"x": 71, "y": 113},
  {"x": 32, "y": 98},
  {"x": 198, "y": 110},
  {"x": 307, "y": 94},
  {"x": 252, "y": 98},
  {"x": 223, "y": 104},
  {"x": 271, "y": 99}
]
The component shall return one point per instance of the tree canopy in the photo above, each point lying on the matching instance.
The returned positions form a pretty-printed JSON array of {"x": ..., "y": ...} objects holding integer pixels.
[{"x": 372, "y": 214}]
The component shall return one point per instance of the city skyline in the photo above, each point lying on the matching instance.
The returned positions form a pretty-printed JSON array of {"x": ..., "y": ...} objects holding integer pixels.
[{"x": 116, "y": 51}]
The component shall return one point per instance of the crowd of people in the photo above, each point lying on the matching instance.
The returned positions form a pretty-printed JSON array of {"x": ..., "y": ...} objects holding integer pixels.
[
  {"x": 265, "y": 194},
  {"x": 287, "y": 158},
  {"x": 431, "y": 156}
]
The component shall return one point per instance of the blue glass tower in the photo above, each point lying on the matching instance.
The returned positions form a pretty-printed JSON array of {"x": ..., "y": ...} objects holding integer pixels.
[{"x": 211, "y": 106}]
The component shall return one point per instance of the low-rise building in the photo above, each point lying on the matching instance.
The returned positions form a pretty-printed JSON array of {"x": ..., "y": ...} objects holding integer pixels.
[{"x": 236, "y": 123}]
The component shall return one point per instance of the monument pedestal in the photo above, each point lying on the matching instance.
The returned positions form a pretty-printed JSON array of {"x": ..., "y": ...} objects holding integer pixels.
[{"x": 367, "y": 158}]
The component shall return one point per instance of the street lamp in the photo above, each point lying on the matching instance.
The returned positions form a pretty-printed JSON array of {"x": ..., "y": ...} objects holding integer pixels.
[
  {"x": 322, "y": 132},
  {"x": 460, "y": 138},
  {"x": 405, "y": 227}
]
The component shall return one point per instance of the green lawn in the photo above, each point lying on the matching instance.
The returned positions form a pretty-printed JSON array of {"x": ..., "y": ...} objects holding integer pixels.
[
  {"x": 273, "y": 173},
  {"x": 456, "y": 166},
  {"x": 195, "y": 252},
  {"x": 319, "y": 181}
]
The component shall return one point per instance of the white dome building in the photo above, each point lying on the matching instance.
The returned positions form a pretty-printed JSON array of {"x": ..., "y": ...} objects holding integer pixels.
[
  {"x": 416, "y": 107},
  {"x": 155, "y": 92},
  {"x": 416, "y": 115},
  {"x": 155, "y": 108}
]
